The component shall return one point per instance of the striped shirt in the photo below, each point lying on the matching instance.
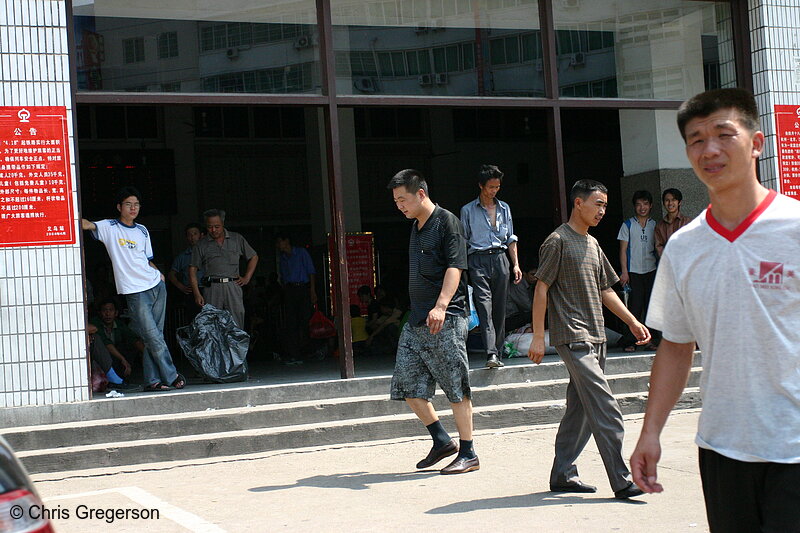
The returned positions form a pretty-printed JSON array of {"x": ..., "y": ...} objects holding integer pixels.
[
  {"x": 434, "y": 248},
  {"x": 577, "y": 272}
]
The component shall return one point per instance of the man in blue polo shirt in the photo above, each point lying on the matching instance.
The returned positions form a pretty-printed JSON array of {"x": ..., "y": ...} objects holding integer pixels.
[{"x": 299, "y": 295}]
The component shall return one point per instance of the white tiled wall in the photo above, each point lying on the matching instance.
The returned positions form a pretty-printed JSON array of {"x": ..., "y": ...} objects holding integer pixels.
[
  {"x": 42, "y": 335},
  {"x": 775, "y": 40}
]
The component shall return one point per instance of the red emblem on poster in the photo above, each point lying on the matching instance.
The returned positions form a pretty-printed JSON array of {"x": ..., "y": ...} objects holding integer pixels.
[
  {"x": 787, "y": 124},
  {"x": 35, "y": 186},
  {"x": 360, "y": 250}
]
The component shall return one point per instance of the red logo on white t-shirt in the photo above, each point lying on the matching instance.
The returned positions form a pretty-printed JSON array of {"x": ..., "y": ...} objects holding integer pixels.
[{"x": 770, "y": 275}]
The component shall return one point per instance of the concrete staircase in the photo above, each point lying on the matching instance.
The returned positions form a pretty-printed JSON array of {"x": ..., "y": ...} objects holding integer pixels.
[{"x": 209, "y": 422}]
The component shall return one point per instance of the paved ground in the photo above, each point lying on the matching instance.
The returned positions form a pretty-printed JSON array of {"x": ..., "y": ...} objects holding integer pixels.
[{"x": 374, "y": 487}]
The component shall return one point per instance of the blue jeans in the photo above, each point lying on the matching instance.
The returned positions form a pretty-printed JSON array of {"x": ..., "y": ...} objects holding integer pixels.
[{"x": 147, "y": 309}]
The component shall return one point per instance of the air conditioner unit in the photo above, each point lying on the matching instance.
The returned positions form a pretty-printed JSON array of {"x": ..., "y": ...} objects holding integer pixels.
[
  {"x": 232, "y": 53},
  {"x": 365, "y": 85},
  {"x": 425, "y": 79},
  {"x": 438, "y": 25},
  {"x": 304, "y": 41},
  {"x": 577, "y": 59},
  {"x": 421, "y": 28},
  {"x": 440, "y": 79}
]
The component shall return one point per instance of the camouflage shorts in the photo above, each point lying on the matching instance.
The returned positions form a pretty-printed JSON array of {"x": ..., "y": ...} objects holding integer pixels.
[{"x": 423, "y": 360}]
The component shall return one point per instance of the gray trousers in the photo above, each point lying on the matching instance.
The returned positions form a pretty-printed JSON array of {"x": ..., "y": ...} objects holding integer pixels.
[
  {"x": 226, "y": 296},
  {"x": 488, "y": 275},
  {"x": 591, "y": 410}
]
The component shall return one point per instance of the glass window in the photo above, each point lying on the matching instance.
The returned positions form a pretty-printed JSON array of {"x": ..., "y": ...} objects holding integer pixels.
[
  {"x": 168, "y": 45},
  {"x": 434, "y": 44},
  {"x": 133, "y": 50},
  {"x": 243, "y": 46},
  {"x": 667, "y": 50}
]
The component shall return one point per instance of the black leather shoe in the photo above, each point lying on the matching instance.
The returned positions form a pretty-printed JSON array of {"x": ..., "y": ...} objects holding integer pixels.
[
  {"x": 573, "y": 486},
  {"x": 437, "y": 454},
  {"x": 628, "y": 492},
  {"x": 494, "y": 362},
  {"x": 462, "y": 465}
]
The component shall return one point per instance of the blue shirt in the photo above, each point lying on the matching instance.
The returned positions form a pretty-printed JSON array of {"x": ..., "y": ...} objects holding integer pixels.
[
  {"x": 296, "y": 267},
  {"x": 479, "y": 231},
  {"x": 181, "y": 266}
]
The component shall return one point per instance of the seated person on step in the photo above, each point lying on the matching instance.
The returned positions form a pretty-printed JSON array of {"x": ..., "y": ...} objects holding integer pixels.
[{"x": 123, "y": 344}]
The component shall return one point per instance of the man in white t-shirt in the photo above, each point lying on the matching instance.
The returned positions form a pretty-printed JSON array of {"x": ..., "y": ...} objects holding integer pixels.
[
  {"x": 730, "y": 281},
  {"x": 638, "y": 262},
  {"x": 128, "y": 244}
]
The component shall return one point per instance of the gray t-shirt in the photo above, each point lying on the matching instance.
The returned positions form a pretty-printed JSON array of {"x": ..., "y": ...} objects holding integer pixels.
[
  {"x": 221, "y": 261},
  {"x": 577, "y": 272}
]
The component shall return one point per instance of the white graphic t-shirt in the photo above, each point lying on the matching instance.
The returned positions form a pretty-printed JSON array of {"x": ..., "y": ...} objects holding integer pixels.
[
  {"x": 737, "y": 293},
  {"x": 641, "y": 241},
  {"x": 130, "y": 250}
]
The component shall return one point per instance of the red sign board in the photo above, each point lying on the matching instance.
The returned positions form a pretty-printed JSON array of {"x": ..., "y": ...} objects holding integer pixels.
[
  {"x": 360, "y": 253},
  {"x": 35, "y": 185},
  {"x": 787, "y": 124}
]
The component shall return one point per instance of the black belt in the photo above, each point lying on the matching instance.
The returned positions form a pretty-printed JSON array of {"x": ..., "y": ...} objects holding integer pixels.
[
  {"x": 220, "y": 280},
  {"x": 490, "y": 251}
]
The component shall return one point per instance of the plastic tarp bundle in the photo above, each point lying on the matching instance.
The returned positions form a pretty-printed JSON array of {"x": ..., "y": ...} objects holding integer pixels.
[{"x": 215, "y": 345}]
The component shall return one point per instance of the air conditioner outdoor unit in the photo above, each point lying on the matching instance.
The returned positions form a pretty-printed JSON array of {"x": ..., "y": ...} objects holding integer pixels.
[
  {"x": 365, "y": 85},
  {"x": 425, "y": 79},
  {"x": 232, "y": 53},
  {"x": 577, "y": 59},
  {"x": 440, "y": 79},
  {"x": 304, "y": 41}
]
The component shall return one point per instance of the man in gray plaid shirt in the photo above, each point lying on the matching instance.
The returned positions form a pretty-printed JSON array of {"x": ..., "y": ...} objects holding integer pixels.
[{"x": 575, "y": 276}]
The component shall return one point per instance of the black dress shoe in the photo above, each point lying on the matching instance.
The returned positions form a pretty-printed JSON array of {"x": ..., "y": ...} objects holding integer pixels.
[
  {"x": 494, "y": 362},
  {"x": 628, "y": 492},
  {"x": 462, "y": 465},
  {"x": 573, "y": 486},
  {"x": 437, "y": 454}
]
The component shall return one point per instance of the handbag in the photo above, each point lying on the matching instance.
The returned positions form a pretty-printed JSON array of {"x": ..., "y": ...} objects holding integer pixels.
[{"x": 320, "y": 326}]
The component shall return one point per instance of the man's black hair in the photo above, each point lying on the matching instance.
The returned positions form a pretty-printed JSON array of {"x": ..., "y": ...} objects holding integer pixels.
[
  {"x": 364, "y": 289},
  {"x": 704, "y": 104},
  {"x": 642, "y": 195},
  {"x": 583, "y": 189},
  {"x": 411, "y": 179},
  {"x": 194, "y": 225},
  {"x": 675, "y": 194},
  {"x": 112, "y": 301},
  {"x": 489, "y": 172},
  {"x": 283, "y": 237},
  {"x": 127, "y": 192}
]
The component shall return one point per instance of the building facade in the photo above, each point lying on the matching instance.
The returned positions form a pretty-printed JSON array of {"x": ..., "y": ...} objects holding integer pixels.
[{"x": 293, "y": 115}]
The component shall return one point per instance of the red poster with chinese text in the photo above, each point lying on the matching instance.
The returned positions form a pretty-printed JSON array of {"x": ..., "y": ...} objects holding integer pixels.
[
  {"x": 787, "y": 125},
  {"x": 360, "y": 250},
  {"x": 36, "y": 205}
]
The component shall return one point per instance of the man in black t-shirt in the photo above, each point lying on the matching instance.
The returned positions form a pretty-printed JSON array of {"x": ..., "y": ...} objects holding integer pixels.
[{"x": 432, "y": 347}]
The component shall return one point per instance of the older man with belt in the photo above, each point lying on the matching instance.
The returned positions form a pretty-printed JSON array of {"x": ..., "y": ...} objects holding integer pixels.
[
  {"x": 217, "y": 254},
  {"x": 491, "y": 242}
]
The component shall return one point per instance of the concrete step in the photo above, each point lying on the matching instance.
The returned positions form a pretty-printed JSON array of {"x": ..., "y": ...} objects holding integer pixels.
[
  {"x": 287, "y": 414},
  {"x": 249, "y": 441},
  {"x": 240, "y": 395}
]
